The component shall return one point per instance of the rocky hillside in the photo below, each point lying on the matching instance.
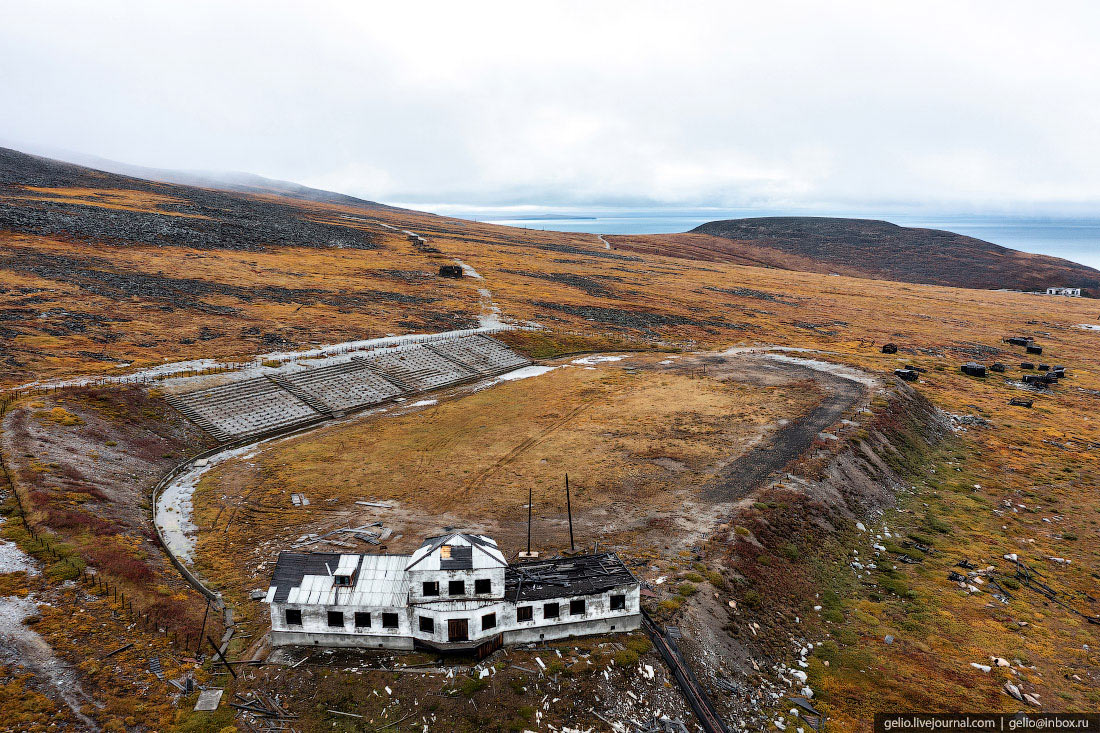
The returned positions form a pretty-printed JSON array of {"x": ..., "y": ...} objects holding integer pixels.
[{"x": 869, "y": 248}]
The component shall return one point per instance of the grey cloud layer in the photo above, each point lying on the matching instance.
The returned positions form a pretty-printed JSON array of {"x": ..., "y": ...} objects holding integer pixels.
[{"x": 978, "y": 105}]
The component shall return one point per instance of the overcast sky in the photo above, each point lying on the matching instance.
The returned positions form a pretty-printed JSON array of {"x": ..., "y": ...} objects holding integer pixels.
[{"x": 938, "y": 106}]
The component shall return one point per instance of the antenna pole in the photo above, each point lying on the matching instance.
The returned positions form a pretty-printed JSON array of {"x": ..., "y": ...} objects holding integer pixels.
[
  {"x": 569, "y": 510},
  {"x": 530, "y": 498}
]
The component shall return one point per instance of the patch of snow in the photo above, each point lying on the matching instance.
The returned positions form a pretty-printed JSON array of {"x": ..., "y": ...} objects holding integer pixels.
[
  {"x": 838, "y": 370},
  {"x": 596, "y": 359},
  {"x": 469, "y": 271},
  {"x": 734, "y": 350},
  {"x": 526, "y": 372},
  {"x": 1089, "y": 326},
  {"x": 14, "y": 560},
  {"x": 424, "y": 403}
]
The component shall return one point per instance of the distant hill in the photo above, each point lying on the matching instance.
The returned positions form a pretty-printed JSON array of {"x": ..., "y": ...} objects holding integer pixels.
[
  {"x": 46, "y": 197},
  {"x": 869, "y": 248},
  {"x": 222, "y": 180}
]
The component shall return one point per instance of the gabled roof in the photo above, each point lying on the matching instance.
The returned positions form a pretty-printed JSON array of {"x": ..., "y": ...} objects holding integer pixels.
[{"x": 483, "y": 544}]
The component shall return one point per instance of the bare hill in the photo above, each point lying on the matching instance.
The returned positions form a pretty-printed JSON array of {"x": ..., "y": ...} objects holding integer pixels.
[{"x": 869, "y": 248}]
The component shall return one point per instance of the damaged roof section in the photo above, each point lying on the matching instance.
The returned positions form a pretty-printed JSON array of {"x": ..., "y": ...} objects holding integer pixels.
[
  {"x": 568, "y": 576},
  {"x": 375, "y": 580},
  {"x": 455, "y": 551}
]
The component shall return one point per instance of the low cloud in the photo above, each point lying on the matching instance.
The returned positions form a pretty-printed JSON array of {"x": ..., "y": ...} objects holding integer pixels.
[{"x": 980, "y": 106}]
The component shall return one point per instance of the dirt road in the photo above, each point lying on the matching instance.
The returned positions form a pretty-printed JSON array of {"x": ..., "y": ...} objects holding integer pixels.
[{"x": 753, "y": 469}]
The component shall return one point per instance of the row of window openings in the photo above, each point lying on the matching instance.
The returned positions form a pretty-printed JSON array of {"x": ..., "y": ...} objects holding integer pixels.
[
  {"x": 488, "y": 621},
  {"x": 458, "y": 587},
  {"x": 336, "y": 618}
]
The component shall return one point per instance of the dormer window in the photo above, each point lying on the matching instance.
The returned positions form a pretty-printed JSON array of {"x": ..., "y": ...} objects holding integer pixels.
[
  {"x": 341, "y": 580},
  {"x": 445, "y": 552}
]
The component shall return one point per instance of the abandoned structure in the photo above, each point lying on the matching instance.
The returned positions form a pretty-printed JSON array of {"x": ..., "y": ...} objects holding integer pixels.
[
  {"x": 889, "y": 348},
  {"x": 454, "y": 271},
  {"x": 281, "y": 401},
  {"x": 973, "y": 369},
  {"x": 456, "y": 592},
  {"x": 1067, "y": 292},
  {"x": 1034, "y": 348},
  {"x": 909, "y": 375}
]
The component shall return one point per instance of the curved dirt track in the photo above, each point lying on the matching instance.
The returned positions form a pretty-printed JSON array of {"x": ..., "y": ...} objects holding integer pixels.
[{"x": 749, "y": 471}]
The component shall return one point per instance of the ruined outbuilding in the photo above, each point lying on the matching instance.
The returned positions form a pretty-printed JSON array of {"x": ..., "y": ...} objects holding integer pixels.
[
  {"x": 973, "y": 369},
  {"x": 456, "y": 592}
]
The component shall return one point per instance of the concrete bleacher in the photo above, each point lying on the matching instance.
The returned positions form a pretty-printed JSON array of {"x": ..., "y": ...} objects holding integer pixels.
[
  {"x": 480, "y": 354},
  {"x": 417, "y": 368},
  {"x": 242, "y": 409},
  {"x": 338, "y": 388},
  {"x": 256, "y": 406}
]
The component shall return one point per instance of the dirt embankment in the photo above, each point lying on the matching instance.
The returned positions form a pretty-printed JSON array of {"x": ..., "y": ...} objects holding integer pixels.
[{"x": 745, "y": 631}]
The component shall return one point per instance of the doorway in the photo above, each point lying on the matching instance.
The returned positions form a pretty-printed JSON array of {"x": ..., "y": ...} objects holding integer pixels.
[{"x": 458, "y": 629}]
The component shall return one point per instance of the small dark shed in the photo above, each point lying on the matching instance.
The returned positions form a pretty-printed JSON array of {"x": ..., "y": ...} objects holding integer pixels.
[
  {"x": 1018, "y": 340},
  {"x": 997, "y": 367},
  {"x": 1043, "y": 367},
  {"x": 916, "y": 369},
  {"x": 1026, "y": 365},
  {"x": 889, "y": 348},
  {"x": 906, "y": 374},
  {"x": 1020, "y": 402},
  {"x": 454, "y": 271},
  {"x": 973, "y": 369},
  {"x": 1034, "y": 349},
  {"x": 1035, "y": 380}
]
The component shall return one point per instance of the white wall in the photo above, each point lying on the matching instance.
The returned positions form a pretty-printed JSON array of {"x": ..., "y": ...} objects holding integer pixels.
[{"x": 418, "y": 576}]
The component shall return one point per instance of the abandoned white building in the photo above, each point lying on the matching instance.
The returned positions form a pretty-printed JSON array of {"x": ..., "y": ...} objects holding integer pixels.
[
  {"x": 455, "y": 592},
  {"x": 1068, "y": 292}
]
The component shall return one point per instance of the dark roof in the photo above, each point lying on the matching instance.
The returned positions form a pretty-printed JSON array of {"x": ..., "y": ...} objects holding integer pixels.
[
  {"x": 291, "y": 567},
  {"x": 462, "y": 558},
  {"x": 565, "y": 577}
]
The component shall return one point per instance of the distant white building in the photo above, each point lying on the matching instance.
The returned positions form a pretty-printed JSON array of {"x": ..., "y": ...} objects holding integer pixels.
[
  {"x": 455, "y": 592},
  {"x": 1068, "y": 292}
]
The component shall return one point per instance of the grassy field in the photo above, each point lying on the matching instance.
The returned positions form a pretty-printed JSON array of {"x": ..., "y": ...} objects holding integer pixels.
[{"x": 638, "y": 446}]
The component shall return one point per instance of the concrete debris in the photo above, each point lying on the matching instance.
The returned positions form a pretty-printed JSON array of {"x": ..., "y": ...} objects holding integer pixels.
[{"x": 209, "y": 700}]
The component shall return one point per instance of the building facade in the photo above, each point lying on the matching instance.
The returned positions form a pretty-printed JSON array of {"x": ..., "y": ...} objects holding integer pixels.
[
  {"x": 1068, "y": 292},
  {"x": 455, "y": 592}
]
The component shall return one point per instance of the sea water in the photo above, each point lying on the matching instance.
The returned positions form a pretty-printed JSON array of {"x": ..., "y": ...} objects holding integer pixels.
[{"x": 1077, "y": 239}]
